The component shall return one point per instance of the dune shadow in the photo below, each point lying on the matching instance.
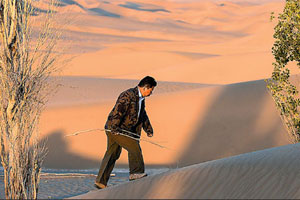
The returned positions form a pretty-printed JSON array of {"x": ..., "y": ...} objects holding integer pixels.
[
  {"x": 59, "y": 155},
  {"x": 102, "y": 12},
  {"x": 139, "y": 7},
  {"x": 96, "y": 11},
  {"x": 69, "y": 2},
  {"x": 229, "y": 126},
  {"x": 194, "y": 55}
]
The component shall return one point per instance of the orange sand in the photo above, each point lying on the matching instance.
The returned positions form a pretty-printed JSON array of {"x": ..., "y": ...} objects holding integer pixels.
[
  {"x": 204, "y": 42},
  {"x": 223, "y": 47}
]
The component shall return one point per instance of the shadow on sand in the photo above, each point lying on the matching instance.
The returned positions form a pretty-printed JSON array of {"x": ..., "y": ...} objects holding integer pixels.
[
  {"x": 229, "y": 127},
  {"x": 96, "y": 11},
  {"x": 60, "y": 157}
]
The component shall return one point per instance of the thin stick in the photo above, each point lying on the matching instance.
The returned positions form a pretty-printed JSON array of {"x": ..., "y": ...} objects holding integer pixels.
[
  {"x": 137, "y": 139},
  {"x": 84, "y": 131}
]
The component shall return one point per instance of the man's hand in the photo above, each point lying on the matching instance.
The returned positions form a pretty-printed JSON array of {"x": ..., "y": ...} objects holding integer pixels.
[
  {"x": 115, "y": 131},
  {"x": 149, "y": 134}
]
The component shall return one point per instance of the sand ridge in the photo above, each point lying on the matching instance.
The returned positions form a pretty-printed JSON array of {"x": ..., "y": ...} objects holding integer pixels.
[{"x": 269, "y": 173}]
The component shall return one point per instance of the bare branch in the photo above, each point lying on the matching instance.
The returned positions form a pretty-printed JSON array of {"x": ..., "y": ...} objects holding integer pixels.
[{"x": 24, "y": 84}]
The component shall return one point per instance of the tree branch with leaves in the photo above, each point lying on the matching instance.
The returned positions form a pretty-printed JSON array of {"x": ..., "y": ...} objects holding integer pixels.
[{"x": 286, "y": 49}]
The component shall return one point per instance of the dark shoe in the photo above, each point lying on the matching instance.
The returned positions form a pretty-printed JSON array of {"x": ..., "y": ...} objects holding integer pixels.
[
  {"x": 136, "y": 176},
  {"x": 99, "y": 185}
]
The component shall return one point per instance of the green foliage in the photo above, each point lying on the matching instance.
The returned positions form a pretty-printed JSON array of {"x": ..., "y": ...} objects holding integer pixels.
[{"x": 286, "y": 48}]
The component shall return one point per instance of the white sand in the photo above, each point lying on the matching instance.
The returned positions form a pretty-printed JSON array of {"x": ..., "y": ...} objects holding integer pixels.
[{"x": 271, "y": 173}]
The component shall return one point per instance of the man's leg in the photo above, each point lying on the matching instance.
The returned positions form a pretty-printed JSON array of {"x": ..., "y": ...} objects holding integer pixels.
[
  {"x": 108, "y": 162},
  {"x": 136, "y": 161},
  {"x": 135, "y": 156}
]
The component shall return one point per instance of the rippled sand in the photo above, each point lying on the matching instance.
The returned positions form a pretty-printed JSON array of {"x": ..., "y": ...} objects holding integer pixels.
[{"x": 58, "y": 184}]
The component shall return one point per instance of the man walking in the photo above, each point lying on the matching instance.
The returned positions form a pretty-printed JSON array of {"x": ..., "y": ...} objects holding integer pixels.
[{"x": 123, "y": 130}]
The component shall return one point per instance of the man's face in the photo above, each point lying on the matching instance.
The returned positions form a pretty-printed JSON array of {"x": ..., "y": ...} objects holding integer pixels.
[{"x": 146, "y": 92}]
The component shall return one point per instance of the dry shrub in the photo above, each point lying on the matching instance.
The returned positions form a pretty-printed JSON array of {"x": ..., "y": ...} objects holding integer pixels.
[{"x": 26, "y": 63}]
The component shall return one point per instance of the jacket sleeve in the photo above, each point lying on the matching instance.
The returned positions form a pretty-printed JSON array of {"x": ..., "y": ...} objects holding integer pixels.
[
  {"x": 119, "y": 111},
  {"x": 147, "y": 125}
]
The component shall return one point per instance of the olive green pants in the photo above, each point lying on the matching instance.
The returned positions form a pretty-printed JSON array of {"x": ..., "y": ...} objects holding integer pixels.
[{"x": 112, "y": 154}]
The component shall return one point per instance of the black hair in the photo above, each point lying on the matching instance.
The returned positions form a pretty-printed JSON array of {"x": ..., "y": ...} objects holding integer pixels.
[{"x": 148, "y": 82}]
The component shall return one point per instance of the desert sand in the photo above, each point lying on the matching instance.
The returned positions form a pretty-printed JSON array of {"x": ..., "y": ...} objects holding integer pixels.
[
  {"x": 213, "y": 122},
  {"x": 210, "y": 59},
  {"x": 266, "y": 174}
]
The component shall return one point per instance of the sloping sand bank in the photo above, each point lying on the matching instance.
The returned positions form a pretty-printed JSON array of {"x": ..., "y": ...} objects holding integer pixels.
[
  {"x": 271, "y": 173},
  {"x": 196, "y": 124}
]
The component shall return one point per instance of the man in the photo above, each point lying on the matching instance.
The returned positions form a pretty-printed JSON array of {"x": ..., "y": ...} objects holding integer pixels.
[{"x": 123, "y": 130}]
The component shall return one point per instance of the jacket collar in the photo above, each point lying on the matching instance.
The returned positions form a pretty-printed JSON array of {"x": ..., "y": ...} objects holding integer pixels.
[
  {"x": 136, "y": 92},
  {"x": 140, "y": 94}
]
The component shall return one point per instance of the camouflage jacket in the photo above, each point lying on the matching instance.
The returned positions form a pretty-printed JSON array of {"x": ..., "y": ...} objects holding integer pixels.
[{"x": 124, "y": 115}]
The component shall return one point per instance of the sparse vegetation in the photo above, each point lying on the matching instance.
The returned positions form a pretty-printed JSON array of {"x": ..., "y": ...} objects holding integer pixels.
[
  {"x": 286, "y": 49},
  {"x": 26, "y": 63}
]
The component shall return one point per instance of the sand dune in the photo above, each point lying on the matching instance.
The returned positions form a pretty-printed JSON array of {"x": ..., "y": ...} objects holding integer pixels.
[
  {"x": 219, "y": 42},
  {"x": 210, "y": 58},
  {"x": 81, "y": 104},
  {"x": 267, "y": 174},
  {"x": 196, "y": 124},
  {"x": 76, "y": 91},
  {"x": 187, "y": 47}
]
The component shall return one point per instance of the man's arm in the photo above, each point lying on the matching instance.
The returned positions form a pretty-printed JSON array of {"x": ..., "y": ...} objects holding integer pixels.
[
  {"x": 147, "y": 125},
  {"x": 119, "y": 111}
]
